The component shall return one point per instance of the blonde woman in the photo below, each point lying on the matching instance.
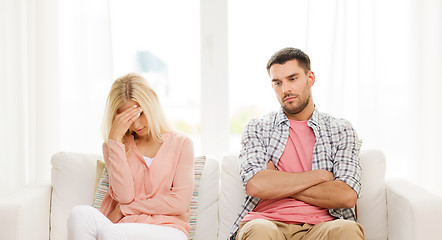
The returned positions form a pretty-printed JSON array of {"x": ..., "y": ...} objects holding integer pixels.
[{"x": 150, "y": 170}]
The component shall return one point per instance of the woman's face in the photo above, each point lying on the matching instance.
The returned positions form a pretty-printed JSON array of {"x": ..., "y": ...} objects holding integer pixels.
[{"x": 139, "y": 126}]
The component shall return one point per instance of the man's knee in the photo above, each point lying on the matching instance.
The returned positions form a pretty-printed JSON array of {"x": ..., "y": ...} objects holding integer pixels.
[
  {"x": 346, "y": 229},
  {"x": 259, "y": 229}
]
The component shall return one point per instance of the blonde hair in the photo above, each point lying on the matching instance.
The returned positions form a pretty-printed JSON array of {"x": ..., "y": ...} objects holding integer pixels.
[{"x": 134, "y": 87}]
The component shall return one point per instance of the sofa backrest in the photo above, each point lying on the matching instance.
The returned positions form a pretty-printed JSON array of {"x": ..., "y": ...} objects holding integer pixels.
[
  {"x": 207, "y": 217},
  {"x": 73, "y": 183},
  {"x": 371, "y": 206},
  {"x": 74, "y": 177},
  {"x": 231, "y": 195}
]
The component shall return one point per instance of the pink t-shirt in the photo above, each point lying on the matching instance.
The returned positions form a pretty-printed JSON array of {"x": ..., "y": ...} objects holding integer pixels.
[{"x": 297, "y": 157}]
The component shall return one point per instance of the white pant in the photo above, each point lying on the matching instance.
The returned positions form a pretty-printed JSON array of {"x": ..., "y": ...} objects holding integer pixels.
[{"x": 87, "y": 223}]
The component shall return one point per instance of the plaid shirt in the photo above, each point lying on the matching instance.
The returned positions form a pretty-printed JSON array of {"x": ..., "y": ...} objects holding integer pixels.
[{"x": 336, "y": 150}]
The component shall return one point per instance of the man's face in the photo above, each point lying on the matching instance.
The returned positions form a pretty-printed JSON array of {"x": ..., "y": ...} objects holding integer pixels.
[{"x": 292, "y": 86}]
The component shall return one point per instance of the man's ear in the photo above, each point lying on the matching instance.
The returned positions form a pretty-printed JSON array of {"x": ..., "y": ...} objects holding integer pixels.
[{"x": 311, "y": 78}]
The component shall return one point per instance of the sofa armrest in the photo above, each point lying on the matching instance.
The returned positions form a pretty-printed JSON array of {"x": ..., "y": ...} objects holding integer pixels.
[
  {"x": 413, "y": 213},
  {"x": 25, "y": 213}
]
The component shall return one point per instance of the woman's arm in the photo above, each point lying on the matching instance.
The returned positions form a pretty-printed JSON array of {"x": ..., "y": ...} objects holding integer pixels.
[
  {"x": 177, "y": 200},
  {"x": 120, "y": 176},
  {"x": 116, "y": 215},
  {"x": 114, "y": 153}
]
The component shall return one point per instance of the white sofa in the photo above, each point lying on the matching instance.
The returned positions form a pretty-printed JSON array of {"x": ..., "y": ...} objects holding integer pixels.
[{"x": 394, "y": 209}]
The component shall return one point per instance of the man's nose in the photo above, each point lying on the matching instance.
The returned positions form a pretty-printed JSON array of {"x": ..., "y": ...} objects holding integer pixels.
[{"x": 286, "y": 88}]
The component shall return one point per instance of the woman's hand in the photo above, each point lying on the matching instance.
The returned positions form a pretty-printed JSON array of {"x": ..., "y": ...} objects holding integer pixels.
[
  {"x": 116, "y": 215},
  {"x": 122, "y": 122}
]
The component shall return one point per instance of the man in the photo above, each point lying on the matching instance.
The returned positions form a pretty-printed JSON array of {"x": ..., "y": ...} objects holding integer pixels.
[{"x": 300, "y": 167}]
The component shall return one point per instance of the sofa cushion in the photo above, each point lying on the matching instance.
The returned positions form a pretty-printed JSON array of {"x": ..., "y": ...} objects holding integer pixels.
[
  {"x": 100, "y": 168},
  {"x": 102, "y": 186},
  {"x": 199, "y": 167}
]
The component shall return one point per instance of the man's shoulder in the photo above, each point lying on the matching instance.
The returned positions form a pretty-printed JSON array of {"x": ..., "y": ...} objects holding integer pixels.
[
  {"x": 330, "y": 121},
  {"x": 266, "y": 120}
]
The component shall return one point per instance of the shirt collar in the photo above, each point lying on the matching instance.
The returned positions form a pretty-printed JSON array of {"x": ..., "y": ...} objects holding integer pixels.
[
  {"x": 314, "y": 119},
  {"x": 281, "y": 117}
]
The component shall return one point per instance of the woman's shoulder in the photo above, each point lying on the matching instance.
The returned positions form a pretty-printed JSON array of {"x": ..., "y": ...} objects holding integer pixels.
[
  {"x": 178, "y": 138},
  {"x": 177, "y": 135}
]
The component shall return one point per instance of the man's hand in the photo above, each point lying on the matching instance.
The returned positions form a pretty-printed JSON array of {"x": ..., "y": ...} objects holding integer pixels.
[
  {"x": 328, "y": 176},
  {"x": 122, "y": 122},
  {"x": 271, "y": 166},
  {"x": 116, "y": 215}
]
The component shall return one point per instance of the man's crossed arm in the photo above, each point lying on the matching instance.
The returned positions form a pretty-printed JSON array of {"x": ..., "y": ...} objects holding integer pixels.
[{"x": 315, "y": 187}]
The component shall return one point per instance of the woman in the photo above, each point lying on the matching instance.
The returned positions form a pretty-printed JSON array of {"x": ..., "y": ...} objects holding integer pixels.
[{"x": 150, "y": 171}]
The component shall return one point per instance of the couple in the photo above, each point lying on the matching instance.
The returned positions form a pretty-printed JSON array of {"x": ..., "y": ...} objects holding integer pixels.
[{"x": 300, "y": 167}]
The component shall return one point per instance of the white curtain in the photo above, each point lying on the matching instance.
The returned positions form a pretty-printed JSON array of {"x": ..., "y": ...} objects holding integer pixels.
[
  {"x": 55, "y": 71},
  {"x": 86, "y": 73},
  {"x": 29, "y": 72},
  {"x": 378, "y": 64}
]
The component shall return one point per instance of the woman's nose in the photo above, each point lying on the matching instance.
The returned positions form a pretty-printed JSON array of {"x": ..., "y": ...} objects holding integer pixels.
[{"x": 136, "y": 123}]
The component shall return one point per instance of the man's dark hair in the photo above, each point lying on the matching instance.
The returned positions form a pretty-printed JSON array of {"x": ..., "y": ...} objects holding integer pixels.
[{"x": 287, "y": 54}]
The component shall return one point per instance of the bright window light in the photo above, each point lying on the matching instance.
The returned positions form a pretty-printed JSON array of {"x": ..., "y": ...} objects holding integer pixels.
[{"x": 161, "y": 40}]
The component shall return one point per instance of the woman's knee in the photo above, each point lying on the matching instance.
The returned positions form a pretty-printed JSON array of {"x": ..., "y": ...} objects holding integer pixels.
[
  {"x": 110, "y": 232},
  {"x": 84, "y": 215},
  {"x": 78, "y": 212},
  {"x": 80, "y": 222}
]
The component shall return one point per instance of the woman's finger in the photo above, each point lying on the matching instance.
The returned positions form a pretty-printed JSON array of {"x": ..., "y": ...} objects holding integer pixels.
[
  {"x": 135, "y": 114},
  {"x": 129, "y": 113},
  {"x": 122, "y": 122},
  {"x": 131, "y": 120}
]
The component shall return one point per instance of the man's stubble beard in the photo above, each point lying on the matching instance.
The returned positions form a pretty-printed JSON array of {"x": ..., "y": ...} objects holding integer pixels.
[{"x": 297, "y": 109}]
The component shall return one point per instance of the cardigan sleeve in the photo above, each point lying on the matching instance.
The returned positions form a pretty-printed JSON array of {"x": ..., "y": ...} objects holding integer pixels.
[
  {"x": 120, "y": 176},
  {"x": 177, "y": 200}
]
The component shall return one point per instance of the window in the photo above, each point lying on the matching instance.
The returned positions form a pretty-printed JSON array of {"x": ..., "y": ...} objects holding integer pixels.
[
  {"x": 161, "y": 40},
  {"x": 252, "y": 40}
]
